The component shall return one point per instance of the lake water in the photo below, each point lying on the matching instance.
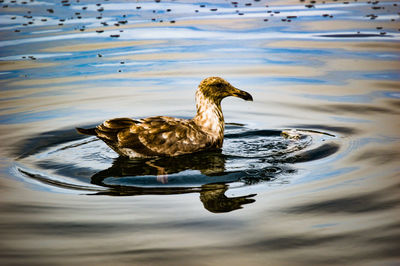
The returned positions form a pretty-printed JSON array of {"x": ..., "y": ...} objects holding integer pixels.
[{"x": 309, "y": 171}]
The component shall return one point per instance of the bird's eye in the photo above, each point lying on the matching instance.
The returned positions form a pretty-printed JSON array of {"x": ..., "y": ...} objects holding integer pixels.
[{"x": 219, "y": 85}]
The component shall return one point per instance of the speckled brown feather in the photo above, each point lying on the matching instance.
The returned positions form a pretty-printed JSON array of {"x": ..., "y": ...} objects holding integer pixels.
[{"x": 168, "y": 136}]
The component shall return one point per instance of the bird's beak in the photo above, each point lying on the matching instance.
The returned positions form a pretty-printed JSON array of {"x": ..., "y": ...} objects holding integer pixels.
[{"x": 243, "y": 95}]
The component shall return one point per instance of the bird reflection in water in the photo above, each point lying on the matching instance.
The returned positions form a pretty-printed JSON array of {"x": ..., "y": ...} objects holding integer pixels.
[{"x": 211, "y": 184}]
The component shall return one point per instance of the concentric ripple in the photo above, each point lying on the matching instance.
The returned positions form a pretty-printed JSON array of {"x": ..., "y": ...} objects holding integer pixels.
[{"x": 70, "y": 162}]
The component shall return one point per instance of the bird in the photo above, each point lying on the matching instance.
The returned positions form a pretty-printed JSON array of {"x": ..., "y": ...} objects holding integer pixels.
[{"x": 170, "y": 136}]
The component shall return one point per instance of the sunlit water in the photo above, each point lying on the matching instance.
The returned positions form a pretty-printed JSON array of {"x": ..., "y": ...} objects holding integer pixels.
[{"x": 309, "y": 171}]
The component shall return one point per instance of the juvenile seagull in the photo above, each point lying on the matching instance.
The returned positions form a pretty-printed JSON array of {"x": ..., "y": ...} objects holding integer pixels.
[{"x": 169, "y": 136}]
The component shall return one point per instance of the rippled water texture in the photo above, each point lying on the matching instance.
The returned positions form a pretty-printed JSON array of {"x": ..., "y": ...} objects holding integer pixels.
[{"x": 309, "y": 171}]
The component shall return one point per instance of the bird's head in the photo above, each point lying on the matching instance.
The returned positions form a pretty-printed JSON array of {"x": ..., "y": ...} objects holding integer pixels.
[{"x": 217, "y": 88}]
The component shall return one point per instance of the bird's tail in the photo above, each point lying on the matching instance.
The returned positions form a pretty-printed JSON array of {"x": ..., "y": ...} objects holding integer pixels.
[{"x": 89, "y": 131}]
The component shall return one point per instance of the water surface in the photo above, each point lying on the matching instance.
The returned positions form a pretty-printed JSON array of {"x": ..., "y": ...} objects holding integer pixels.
[{"x": 309, "y": 171}]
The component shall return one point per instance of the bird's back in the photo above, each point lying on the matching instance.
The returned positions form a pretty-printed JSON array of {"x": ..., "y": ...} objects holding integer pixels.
[{"x": 153, "y": 136}]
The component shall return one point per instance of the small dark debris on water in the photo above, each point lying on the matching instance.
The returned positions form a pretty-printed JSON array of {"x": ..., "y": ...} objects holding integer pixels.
[
  {"x": 372, "y": 16},
  {"x": 114, "y": 35},
  {"x": 172, "y": 21},
  {"x": 213, "y": 9},
  {"x": 50, "y": 10},
  {"x": 99, "y": 31},
  {"x": 99, "y": 55},
  {"x": 309, "y": 6},
  {"x": 122, "y": 62},
  {"x": 17, "y": 31},
  {"x": 265, "y": 19}
]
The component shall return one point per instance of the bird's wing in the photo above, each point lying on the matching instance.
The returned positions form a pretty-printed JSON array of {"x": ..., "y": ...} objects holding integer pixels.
[
  {"x": 110, "y": 128},
  {"x": 164, "y": 136}
]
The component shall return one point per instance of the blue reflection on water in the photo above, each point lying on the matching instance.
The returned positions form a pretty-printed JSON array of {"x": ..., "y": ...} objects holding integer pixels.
[
  {"x": 387, "y": 75},
  {"x": 327, "y": 225},
  {"x": 355, "y": 98},
  {"x": 28, "y": 117}
]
